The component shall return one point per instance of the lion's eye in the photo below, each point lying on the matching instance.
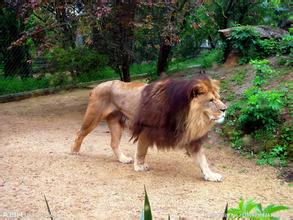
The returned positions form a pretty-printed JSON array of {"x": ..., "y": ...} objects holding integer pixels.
[{"x": 211, "y": 100}]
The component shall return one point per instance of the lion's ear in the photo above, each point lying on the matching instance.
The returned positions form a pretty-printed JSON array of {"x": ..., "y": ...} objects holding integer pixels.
[{"x": 199, "y": 89}]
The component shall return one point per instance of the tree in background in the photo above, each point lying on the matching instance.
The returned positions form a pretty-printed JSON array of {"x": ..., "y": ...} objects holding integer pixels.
[
  {"x": 127, "y": 31},
  {"x": 166, "y": 20},
  {"x": 16, "y": 59},
  {"x": 214, "y": 15},
  {"x": 113, "y": 33}
]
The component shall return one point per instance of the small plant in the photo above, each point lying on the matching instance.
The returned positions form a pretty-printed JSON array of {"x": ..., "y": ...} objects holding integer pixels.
[
  {"x": 254, "y": 211},
  {"x": 239, "y": 77},
  {"x": 263, "y": 71},
  {"x": 146, "y": 213},
  {"x": 276, "y": 156}
]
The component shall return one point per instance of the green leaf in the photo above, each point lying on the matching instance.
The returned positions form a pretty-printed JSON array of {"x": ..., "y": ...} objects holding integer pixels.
[
  {"x": 249, "y": 205},
  {"x": 146, "y": 213},
  {"x": 258, "y": 208},
  {"x": 272, "y": 208}
]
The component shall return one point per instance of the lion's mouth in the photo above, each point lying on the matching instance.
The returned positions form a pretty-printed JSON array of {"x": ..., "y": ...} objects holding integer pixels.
[{"x": 219, "y": 119}]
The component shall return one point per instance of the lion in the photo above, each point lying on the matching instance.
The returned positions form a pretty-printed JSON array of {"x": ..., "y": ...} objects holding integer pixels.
[{"x": 170, "y": 113}]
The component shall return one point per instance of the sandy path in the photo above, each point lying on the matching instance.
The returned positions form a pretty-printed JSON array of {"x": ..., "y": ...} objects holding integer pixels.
[{"x": 35, "y": 138}]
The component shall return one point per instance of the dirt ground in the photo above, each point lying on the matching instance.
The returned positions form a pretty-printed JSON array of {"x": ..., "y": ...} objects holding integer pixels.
[{"x": 35, "y": 139}]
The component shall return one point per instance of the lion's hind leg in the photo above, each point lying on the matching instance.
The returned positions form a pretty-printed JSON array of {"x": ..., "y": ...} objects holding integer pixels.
[
  {"x": 91, "y": 119},
  {"x": 116, "y": 127}
]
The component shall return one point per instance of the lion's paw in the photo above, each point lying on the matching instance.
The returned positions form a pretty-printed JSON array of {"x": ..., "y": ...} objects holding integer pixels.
[
  {"x": 75, "y": 153},
  {"x": 215, "y": 177},
  {"x": 125, "y": 159},
  {"x": 141, "y": 167}
]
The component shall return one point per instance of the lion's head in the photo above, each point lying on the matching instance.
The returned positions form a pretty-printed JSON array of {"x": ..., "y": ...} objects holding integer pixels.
[
  {"x": 205, "y": 109},
  {"x": 179, "y": 112},
  {"x": 206, "y": 98}
]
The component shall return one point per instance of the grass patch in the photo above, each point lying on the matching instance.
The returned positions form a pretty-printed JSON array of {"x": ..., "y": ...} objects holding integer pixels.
[
  {"x": 239, "y": 77},
  {"x": 205, "y": 60},
  {"x": 106, "y": 73},
  {"x": 15, "y": 85},
  {"x": 177, "y": 65},
  {"x": 10, "y": 85},
  {"x": 149, "y": 68}
]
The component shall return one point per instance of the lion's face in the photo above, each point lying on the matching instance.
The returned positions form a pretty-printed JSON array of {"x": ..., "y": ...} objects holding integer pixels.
[
  {"x": 209, "y": 102},
  {"x": 214, "y": 108}
]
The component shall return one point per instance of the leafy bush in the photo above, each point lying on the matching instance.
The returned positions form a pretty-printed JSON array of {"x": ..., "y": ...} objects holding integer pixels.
[
  {"x": 286, "y": 44},
  {"x": 254, "y": 211},
  {"x": 247, "y": 41},
  {"x": 260, "y": 111},
  {"x": 78, "y": 60},
  {"x": 244, "y": 39}
]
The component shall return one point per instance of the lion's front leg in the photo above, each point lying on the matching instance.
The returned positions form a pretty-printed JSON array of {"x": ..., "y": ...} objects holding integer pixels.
[
  {"x": 140, "y": 153},
  {"x": 201, "y": 160}
]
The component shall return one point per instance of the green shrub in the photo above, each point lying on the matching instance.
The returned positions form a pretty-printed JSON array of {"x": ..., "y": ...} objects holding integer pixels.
[
  {"x": 261, "y": 111},
  {"x": 268, "y": 46},
  {"x": 255, "y": 124}
]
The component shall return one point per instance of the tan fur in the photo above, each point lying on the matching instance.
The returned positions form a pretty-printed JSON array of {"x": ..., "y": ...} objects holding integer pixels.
[{"x": 117, "y": 101}]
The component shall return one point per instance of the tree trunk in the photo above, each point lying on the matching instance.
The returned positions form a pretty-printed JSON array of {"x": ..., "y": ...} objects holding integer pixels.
[
  {"x": 126, "y": 13},
  {"x": 166, "y": 42},
  {"x": 228, "y": 11},
  {"x": 165, "y": 49},
  {"x": 125, "y": 68}
]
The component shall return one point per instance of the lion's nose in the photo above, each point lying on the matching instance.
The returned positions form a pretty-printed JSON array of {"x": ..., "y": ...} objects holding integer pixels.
[{"x": 223, "y": 109}]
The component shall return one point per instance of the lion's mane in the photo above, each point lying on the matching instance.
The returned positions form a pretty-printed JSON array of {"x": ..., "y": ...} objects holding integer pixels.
[{"x": 165, "y": 113}]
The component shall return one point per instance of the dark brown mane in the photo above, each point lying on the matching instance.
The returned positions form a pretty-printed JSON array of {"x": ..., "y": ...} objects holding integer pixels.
[{"x": 163, "y": 110}]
